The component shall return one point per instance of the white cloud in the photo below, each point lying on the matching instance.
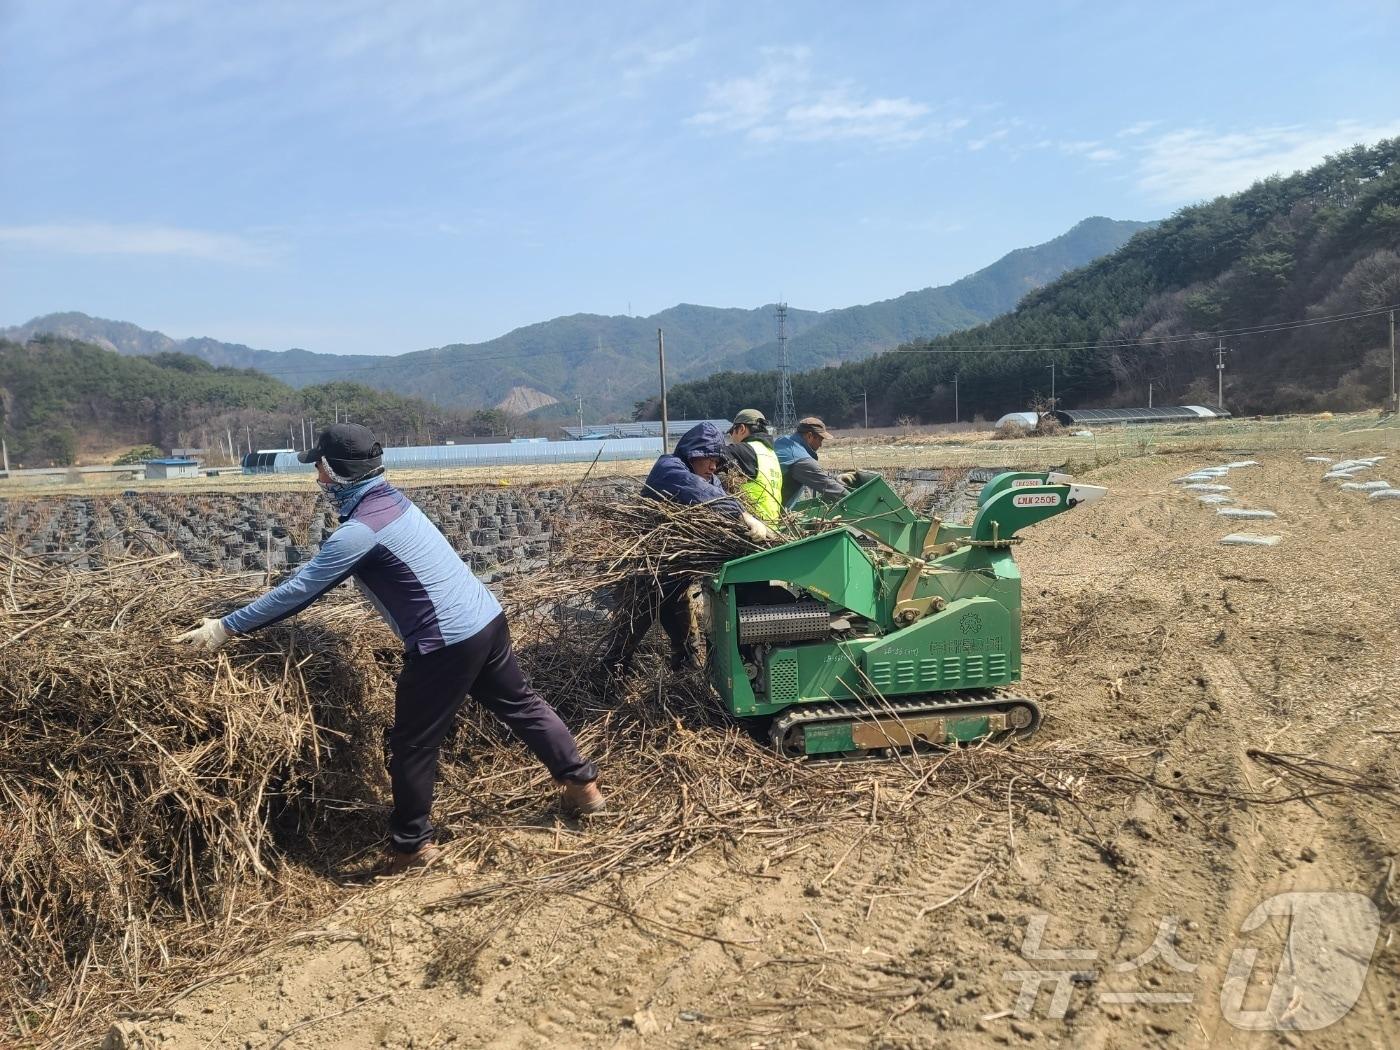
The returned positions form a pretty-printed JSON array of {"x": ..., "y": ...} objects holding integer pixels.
[
  {"x": 988, "y": 139},
  {"x": 357, "y": 67},
  {"x": 1142, "y": 127},
  {"x": 96, "y": 238},
  {"x": 1089, "y": 149},
  {"x": 1194, "y": 164},
  {"x": 743, "y": 103},
  {"x": 836, "y": 115},
  {"x": 783, "y": 100},
  {"x": 648, "y": 62}
]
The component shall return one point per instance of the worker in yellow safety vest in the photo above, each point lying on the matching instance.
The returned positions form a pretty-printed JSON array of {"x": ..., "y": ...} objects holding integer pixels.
[{"x": 751, "y": 449}]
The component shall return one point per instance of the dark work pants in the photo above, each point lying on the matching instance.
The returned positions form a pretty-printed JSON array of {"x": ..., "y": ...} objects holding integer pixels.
[
  {"x": 639, "y": 604},
  {"x": 431, "y": 689}
]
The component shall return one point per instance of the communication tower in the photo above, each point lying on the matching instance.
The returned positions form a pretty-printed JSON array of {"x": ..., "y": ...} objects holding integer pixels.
[{"x": 786, "y": 416}]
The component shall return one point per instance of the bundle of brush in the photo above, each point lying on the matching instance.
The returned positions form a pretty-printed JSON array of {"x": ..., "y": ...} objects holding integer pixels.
[
  {"x": 610, "y": 539},
  {"x": 141, "y": 783}
]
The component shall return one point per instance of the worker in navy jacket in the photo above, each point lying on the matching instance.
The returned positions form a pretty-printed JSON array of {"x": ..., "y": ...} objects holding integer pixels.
[
  {"x": 688, "y": 476},
  {"x": 456, "y": 640}
]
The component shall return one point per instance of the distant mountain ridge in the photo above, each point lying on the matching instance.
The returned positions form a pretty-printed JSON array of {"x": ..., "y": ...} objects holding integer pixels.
[
  {"x": 1298, "y": 274},
  {"x": 609, "y": 361}
]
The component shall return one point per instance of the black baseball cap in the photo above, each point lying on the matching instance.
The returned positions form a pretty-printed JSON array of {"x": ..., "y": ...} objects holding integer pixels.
[{"x": 349, "y": 448}]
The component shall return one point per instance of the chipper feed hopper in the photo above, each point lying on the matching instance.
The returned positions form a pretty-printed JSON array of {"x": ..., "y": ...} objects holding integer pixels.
[{"x": 883, "y": 629}]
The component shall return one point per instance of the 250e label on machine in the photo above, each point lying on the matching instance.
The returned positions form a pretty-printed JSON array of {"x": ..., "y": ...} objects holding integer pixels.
[{"x": 1036, "y": 499}]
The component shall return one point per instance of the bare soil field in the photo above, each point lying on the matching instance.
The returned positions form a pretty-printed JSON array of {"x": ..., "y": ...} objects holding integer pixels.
[{"x": 1242, "y": 700}]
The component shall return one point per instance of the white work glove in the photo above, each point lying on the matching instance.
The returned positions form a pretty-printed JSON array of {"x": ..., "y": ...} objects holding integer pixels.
[
  {"x": 209, "y": 635},
  {"x": 757, "y": 529}
]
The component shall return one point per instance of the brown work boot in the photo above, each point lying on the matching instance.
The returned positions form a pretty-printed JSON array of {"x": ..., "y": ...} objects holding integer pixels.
[
  {"x": 397, "y": 862},
  {"x": 581, "y": 799}
]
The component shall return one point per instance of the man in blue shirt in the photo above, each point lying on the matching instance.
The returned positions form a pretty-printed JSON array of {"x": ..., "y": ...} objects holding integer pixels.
[
  {"x": 797, "y": 455},
  {"x": 456, "y": 639}
]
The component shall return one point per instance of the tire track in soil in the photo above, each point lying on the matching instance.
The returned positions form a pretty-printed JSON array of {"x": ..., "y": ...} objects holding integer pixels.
[
  {"x": 597, "y": 996},
  {"x": 874, "y": 910}
]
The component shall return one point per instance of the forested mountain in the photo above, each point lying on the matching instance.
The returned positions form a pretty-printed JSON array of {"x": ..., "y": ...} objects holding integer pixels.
[
  {"x": 1274, "y": 270},
  {"x": 610, "y": 361},
  {"x": 857, "y": 331},
  {"x": 63, "y": 400}
]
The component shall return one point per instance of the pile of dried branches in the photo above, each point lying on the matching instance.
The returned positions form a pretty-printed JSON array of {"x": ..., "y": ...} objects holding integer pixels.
[
  {"x": 143, "y": 789},
  {"x": 606, "y": 538}
]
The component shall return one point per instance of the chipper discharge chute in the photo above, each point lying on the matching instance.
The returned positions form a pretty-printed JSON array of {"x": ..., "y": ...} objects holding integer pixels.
[{"x": 883, "y": 629}]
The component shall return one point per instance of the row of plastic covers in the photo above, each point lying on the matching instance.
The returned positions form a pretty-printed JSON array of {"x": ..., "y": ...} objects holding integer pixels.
[{"x": 503, "y": 454}]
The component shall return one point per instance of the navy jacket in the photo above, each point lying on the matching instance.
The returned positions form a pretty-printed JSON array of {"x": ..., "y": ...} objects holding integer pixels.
[{"x": 671, "y": 478}]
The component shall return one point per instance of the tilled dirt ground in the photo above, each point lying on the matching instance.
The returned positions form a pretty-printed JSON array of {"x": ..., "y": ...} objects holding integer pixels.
[{"x": 1121, "y": 922}]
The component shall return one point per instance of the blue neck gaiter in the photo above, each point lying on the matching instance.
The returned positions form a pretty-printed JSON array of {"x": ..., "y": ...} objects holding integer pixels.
[{"x": 344, "y": 495}]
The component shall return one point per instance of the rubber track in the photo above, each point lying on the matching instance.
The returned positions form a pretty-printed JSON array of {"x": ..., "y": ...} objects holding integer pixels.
[{"x": 996, "y": 700}]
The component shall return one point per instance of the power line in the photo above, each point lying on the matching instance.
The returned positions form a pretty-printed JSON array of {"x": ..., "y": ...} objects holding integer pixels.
[{"x": 1036, "y": 348}]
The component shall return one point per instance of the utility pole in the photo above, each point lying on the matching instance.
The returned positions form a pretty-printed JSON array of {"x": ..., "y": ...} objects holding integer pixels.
[
  {"x": 1394, "y": 395},
  {"x": 1149, "y": 393},
  {"x": 661, "y": 358},
  {"x": 232, "y": 456},
  {"x": 1220, "y": 351},
  {"x": 1052, "y": 386},
  {"x": 250, "y": 437},
  {"x": 579, "y": 399},
  {"x": 303, "y": 433},
  {"x": 291, "y": 436},
  {"x": 865, "y": 407},
  {"x": 957, "y": 412}
]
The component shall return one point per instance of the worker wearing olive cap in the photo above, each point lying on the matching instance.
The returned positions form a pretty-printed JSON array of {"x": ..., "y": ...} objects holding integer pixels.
[
  {"x": 456, "y": 639},
  {"x": 751, "y": 449}
]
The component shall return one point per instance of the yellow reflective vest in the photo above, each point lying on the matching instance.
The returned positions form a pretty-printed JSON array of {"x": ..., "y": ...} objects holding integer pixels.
[{"x": 764, "y": 493}]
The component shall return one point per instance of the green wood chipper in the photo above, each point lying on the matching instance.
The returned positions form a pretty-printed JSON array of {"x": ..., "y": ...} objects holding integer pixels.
[{"x": 883, "y": 630}]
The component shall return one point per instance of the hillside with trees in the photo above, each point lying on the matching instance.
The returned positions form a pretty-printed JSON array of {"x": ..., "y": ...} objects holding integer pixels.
[
  {"x": 64, "y": 401},
  {"x": 611, "y": 361},
  {"x": 1293, "y": 276},
  {"x": 858, "y": 331}
]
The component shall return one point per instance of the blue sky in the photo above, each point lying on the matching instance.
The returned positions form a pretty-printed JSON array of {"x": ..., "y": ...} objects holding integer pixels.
[{"x": 376, "y": 177}]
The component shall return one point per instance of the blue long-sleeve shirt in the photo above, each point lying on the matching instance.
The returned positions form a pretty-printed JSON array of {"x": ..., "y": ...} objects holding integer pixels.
[
  {"x": 800, "y": 471},
  {"x": 399, "y": 561}
]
